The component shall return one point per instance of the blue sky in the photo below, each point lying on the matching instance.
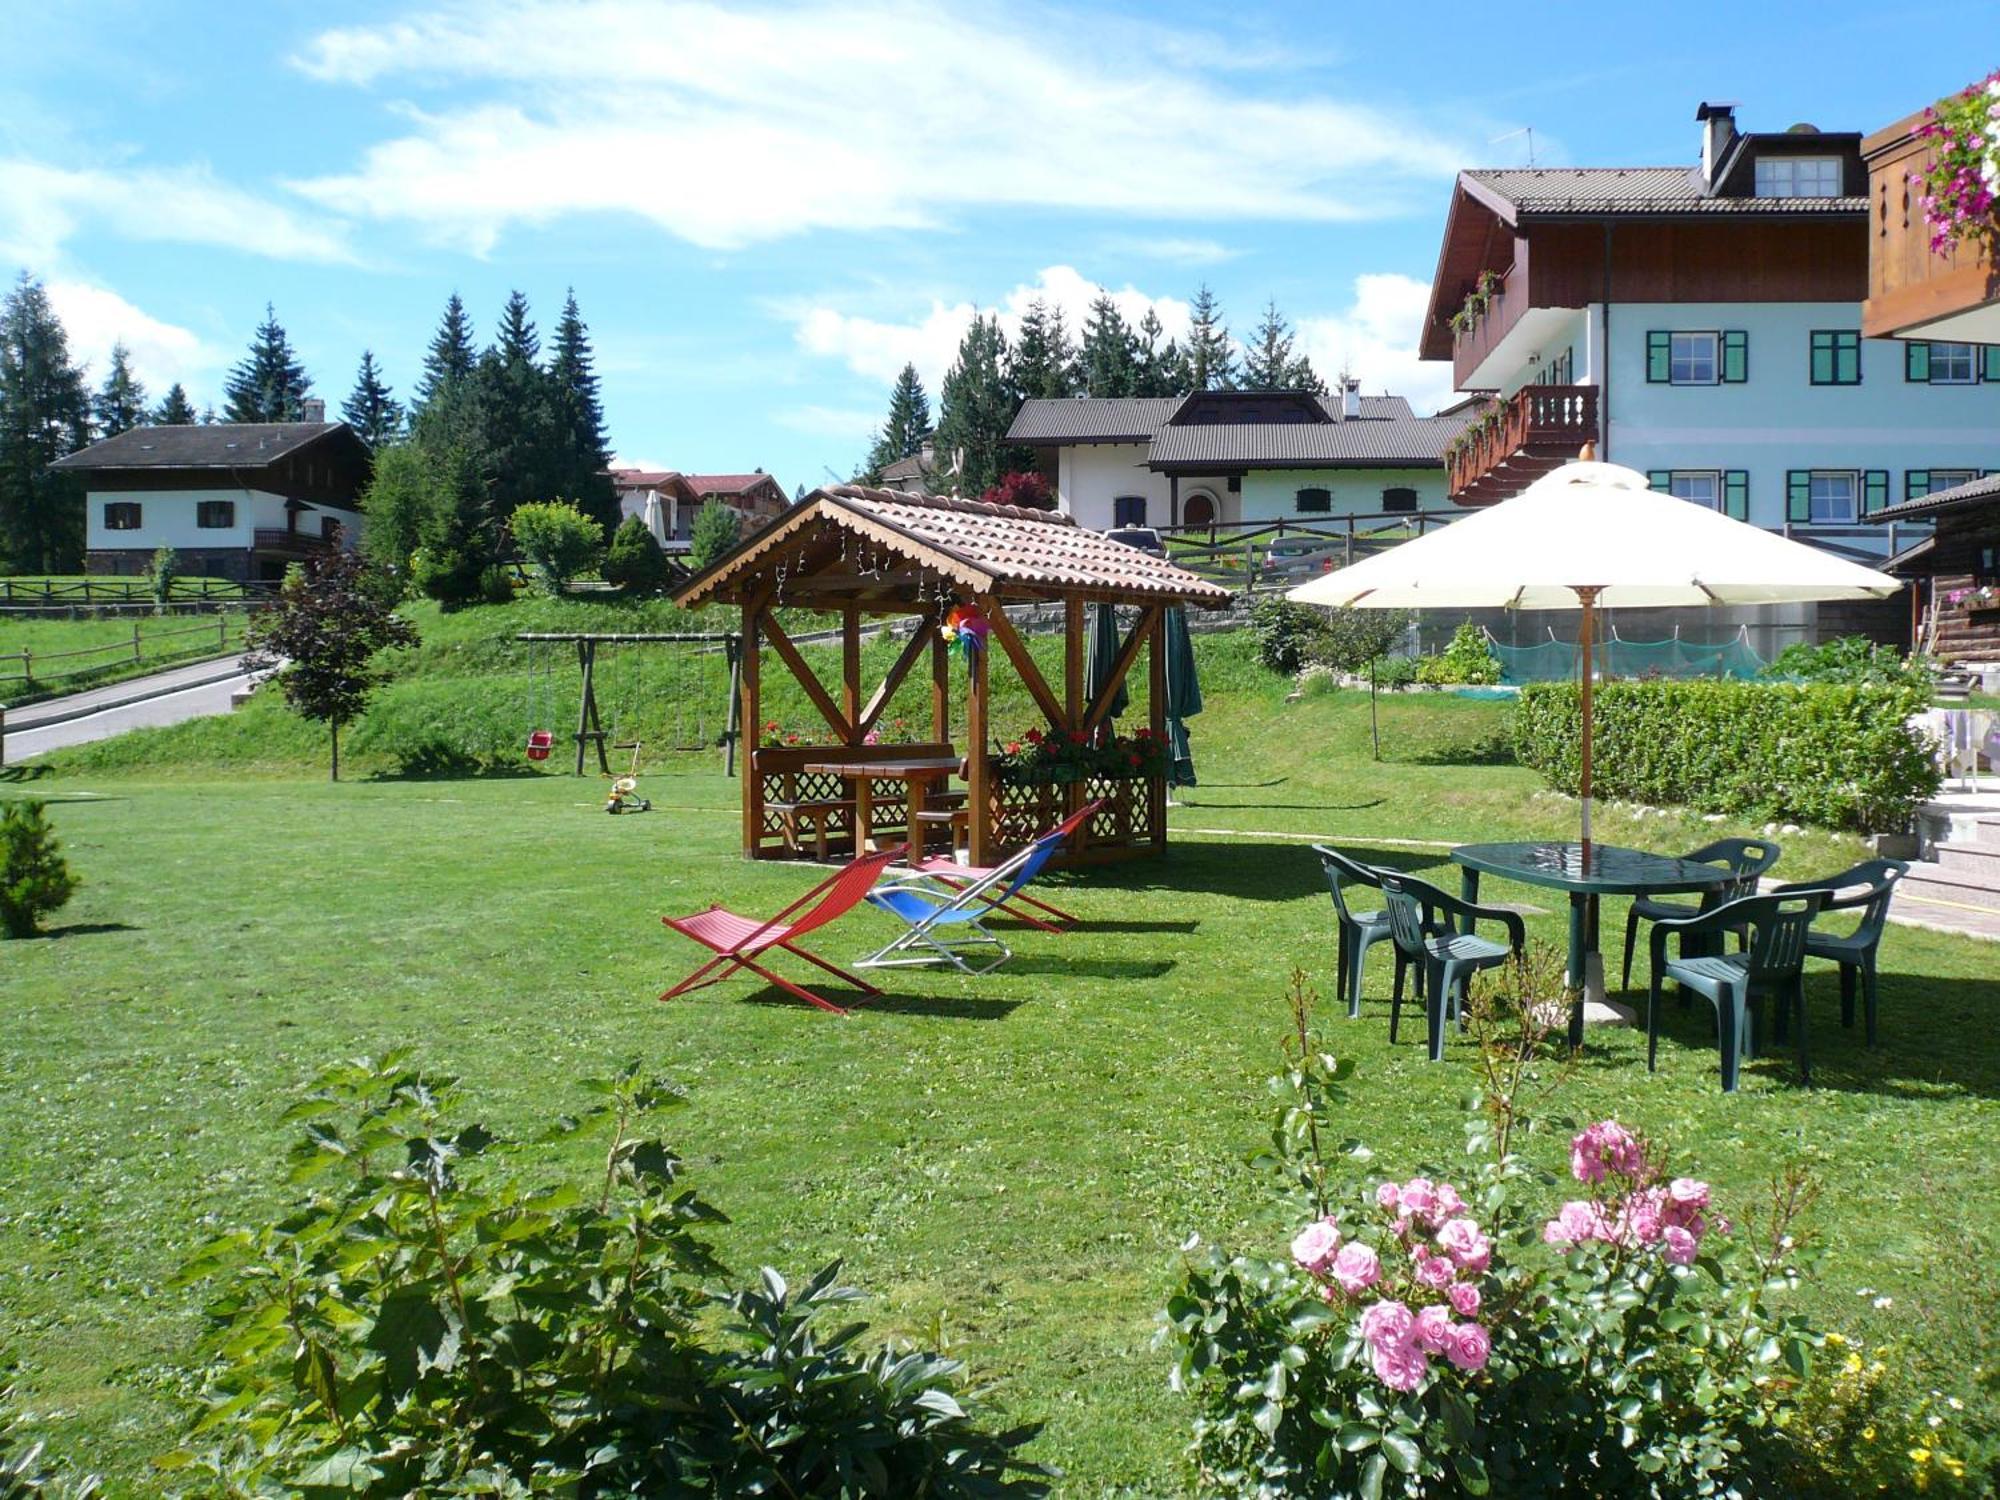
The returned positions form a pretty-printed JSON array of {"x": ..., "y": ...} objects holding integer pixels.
[{"x": 766, "y": 208}]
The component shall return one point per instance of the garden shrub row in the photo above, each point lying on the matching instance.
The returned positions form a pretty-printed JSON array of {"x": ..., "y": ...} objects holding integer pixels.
[{"x": 1842, "y": 755}]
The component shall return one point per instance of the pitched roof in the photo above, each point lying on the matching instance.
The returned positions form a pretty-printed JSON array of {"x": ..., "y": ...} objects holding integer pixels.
[
  {"x": 1984, "y": 491},
  {"x": 1091, "y": 419},
  {"x": 726, "y": 484},
  {"x": 642, "y": 479},
  {"x": 217, "y": 445},
  {"x": 1360, "y": 442},
  {"x": 986, "y": 548},
  {"x": 1631, "y": 190}
]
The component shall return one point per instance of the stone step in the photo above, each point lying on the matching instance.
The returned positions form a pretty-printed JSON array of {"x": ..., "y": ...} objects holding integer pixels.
[
  {"x": 1978, "y": 861},
  {"x": 1932, "y": 883},
  {"x": 1987, "y": 832}
]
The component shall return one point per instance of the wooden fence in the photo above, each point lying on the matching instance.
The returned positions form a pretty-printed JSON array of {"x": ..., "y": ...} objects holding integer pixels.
[
  {"x": 109, "y": 590},
  {"x": 30, "y": 670}
]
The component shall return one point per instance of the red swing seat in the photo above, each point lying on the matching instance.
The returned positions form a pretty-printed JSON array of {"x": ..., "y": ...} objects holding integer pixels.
[{"x": 540, "y": 742}]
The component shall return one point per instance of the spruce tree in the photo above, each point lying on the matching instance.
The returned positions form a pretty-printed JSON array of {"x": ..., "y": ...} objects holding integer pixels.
[
  {"x": 1268, "y": 361},
  {"x": 269, "y": 384},
  {"x": 44, "y": 415},
  {"x": 908, "y": 424},
  {"x": 451, "y": 356},
  {"x": 120, "y": 403},
  {"x": 515, "y": 415},
  {"x": 583, "y": 449},
  {"x": 1108, "y": 355},
  {"x": 1162, "y": 367},
  {"x": 176, "y": 410},
  {"x": 370, "y": 409},
  {"x": 975, "y": 409},
  {"x": 1211, "y": 361},
  {"x": 1043, "y": 362}
]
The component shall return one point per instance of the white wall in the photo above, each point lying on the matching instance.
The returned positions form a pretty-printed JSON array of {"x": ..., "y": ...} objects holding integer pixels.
[
  {"x": 1272, "y": 494},
  {"x": 1777, "y": 420},
  {"x": 1089, "y": 476},
  {"x": 167, "y": 518}
]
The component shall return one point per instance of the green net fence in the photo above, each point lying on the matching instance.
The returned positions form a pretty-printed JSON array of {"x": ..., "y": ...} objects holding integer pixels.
[{"x": 1556, "y": 660}]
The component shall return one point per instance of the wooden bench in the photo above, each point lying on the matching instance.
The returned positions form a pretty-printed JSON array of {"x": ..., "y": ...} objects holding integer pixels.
[{"x": 816, "y": 812}]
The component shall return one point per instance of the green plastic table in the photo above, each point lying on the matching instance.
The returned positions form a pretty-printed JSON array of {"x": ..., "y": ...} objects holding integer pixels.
[{"x": 1612, "y": 871}]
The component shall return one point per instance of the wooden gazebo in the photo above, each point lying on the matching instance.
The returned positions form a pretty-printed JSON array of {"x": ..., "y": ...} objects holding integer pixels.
[{"x": 856, "y": 552}]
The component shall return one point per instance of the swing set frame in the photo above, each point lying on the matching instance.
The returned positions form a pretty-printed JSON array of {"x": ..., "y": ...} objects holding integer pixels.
[{"x": 590, "y": 732}]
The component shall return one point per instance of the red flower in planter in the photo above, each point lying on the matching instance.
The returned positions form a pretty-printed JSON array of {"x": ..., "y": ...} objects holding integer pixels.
[{"x": 1013, "y": 747}]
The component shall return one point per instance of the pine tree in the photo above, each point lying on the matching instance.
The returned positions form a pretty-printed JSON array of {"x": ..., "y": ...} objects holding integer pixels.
[
  {"x": 514, "y": 415},
  {"x": 176, "y": 410},
  {"x": 516, "y": 340},
  {"x": 1108, "y": 355},
  {"x": 269, "y": 385},
  {"x": 370, "y": 409},
  {"x": 1268, "y": 361},
  {"x": 716, "y": 529},
  {"x": 1162, "y": 367},
  {"x": 975, "y": 409},
  {"x": 1211, "y": 360},
  {"x": 908, "y": 424},
  {"x": 1043, "y": 363},
  {"x": 451, "y": 356},
  {"x": 583, "y": 449},
  {"x": 120, "y": 403},
  {"x": 44, "y": 414}
]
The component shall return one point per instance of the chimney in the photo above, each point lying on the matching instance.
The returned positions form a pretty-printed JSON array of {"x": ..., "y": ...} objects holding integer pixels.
[
  {"x": 1717, "y": 119},
  {"x": 312, "y": 409},
  {"x": 1350, "y": 399}
]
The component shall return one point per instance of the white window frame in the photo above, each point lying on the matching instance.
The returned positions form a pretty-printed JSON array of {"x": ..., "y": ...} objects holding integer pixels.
[
  {"x": 1781, "y": 177},
  {"x": 1852, "y": 479},
  {"x": 1692, "y": 358},
  {"x": 1969, "y": 353},
  {"x": 1679, "y": 480},
  {"x": 1945, "y": 479}
]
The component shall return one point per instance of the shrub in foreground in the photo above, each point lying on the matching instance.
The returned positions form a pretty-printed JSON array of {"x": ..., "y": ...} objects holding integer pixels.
[
  {"x": 35, "y": 879},
  {"x": 417, "y": 1323},
  {"x": 1840, "y": 754},
  {"x": 635, "y": 561},
  {"x": 1287, "y": 634},
  {"x": 559, "y": 541},
  {"x": 1849, "y": 658}
]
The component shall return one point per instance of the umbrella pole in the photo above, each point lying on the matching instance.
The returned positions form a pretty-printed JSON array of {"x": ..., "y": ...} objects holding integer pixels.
[{"x": 1585, "y": 632}]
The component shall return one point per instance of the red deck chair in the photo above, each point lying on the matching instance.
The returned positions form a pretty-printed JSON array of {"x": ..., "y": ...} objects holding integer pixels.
[
  {"x": 739, "y": 941},
  {"x": 954, "y": 876}
]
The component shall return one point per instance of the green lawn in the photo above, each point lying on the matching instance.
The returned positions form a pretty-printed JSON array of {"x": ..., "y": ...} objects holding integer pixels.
[{"x": 1011, "y": 1159}]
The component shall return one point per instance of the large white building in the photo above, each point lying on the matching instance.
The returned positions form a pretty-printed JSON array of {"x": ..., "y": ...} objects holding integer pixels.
[{"x": 1217, "y": 458}]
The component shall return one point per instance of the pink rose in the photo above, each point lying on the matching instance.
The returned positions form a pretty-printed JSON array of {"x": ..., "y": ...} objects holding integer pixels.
[
  {"x": 1464, "y": 1298},
  {"x": 1387, "y": 1195},
  {"x": 1643, "y": 1216},
  {"x": 1386, "y": 1322},
  {"x": 1434, "y": 1273},
  {"x": 1420, "y": 1197},
  {"x": 1607, "y": 1147},
  {"x": 1680, "y": 1246},
  {"x": 1576, "y": 1222},
  {"x": 1462, "y": 1241},
  {"x": 1469, "y": 1348},
  {"x": 1313, "y": 1247},
  {"x": 1356, "y": 1268},
  {"x": 1688, "y": 1192},
  {"x": 1433, "y": 1328},
  {"x": 1401, "y": 1367},
  {"x": 1449, "y": 1203}
]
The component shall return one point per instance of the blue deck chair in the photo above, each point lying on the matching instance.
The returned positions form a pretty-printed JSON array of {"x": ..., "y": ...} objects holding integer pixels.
[{"x": 941, "y": 925}]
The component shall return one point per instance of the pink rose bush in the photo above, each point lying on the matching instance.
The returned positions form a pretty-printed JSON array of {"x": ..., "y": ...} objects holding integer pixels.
[{"x": 1632, "y": 1209}]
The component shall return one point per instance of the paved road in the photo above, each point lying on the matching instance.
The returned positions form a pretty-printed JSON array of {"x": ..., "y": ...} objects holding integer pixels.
[{"x": 113, "y": 710}]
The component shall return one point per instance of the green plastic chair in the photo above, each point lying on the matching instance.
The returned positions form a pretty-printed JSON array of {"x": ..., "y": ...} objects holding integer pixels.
[
  {"x": 1359, "y": 930},
  {"x": 1447, "y": 953},
  {"x": 1773, "y": 964},
  {"x": 1854, "y": 951},
  {"x": 1747, "y": 859}
]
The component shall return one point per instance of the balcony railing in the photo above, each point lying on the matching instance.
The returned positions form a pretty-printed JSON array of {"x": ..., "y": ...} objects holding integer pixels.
[
  {"x": 276, "y": 539},
  {"x": 1502, "y": 311},
  {"x": 1539, "y": 428}
]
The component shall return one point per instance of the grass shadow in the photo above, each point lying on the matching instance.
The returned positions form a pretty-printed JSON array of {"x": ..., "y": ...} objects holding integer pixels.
[
  {"x": 24, "y": 773},
  {"x": 1245, "y": 870},
  {"x": 1089, "y": 968},
  {"x": 1328, "y": 807},
  {"x": 86, "y": 929},
  {"x": 1087, "y": 925}
]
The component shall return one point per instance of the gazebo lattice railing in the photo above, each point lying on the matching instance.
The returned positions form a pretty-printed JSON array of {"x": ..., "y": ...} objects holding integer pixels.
[{"x": 858, "y": 552}]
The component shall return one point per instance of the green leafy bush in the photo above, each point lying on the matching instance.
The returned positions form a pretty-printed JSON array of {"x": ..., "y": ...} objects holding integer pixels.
[
  {"x": 447, "y": 574},
  {"x": 559, "y": 541},
  {"x": 1286, "y": 633},
  {"x": 1468, "y": 658},
  {"x": 35, "y": 879},
  {"x": 1349, "y": 639},
  {"x": 496, "y": 585},
  {"x": 161, "y": 571},
  {"x": 635, "y": 562},
  {"x": 418, "y": 1323},
  {"x": 1842, "y": 755},
  {"x": 1850, "y": 658},
  {"x": 716, "y": 529}
]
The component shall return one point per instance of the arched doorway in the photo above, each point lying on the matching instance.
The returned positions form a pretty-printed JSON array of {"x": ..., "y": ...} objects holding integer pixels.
[{"x": 1200, "y": 509}]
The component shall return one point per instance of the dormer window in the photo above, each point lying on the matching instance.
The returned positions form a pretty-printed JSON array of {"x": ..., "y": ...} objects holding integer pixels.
[{"x": 1798, "y": 177}]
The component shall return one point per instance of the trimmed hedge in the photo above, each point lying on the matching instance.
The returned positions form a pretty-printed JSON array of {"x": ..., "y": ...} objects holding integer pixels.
[{"x": 1842, "y": 755}]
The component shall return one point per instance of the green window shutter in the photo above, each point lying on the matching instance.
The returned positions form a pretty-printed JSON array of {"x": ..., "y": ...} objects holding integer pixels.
[
  {"x": 1798, "y": 495},
  {"x": 1917, "y": 362},
  {"x": 1874, "y": 491},
  {"x": 1736, "y": 494},
  {"x": 1916, "y": 483},
  {"x": 1659, "y": 357},
  {"x": 1847, "y": 358},
  {"x": 1661, "y": 480},
  {"x": 1735, "y": 357},
  {"x": 1989, "y": 362},
  {"x": 1822, "y": 359}
]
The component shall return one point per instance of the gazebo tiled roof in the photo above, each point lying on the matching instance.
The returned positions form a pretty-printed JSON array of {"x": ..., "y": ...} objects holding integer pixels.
[{"x": 1000, "y": 550}]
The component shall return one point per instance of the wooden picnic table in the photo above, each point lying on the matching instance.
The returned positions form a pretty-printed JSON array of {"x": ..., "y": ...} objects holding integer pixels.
[{"x": 918, "y": 773}]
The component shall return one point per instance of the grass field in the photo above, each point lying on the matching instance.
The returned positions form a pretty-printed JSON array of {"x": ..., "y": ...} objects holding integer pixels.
[{"x": 1010, "y": 1160}]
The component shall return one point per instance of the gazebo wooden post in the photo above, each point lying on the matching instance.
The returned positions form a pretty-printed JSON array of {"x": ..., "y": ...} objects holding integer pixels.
[
  {"x": 940, "y": 687},
  {"x": 1156, "y": 721},
  {"x": 1074, "y": 697},
  {"x": 978, "y": 777},
  {"x": 749, "y": 657},
  {"x": 850, "y": 671}
]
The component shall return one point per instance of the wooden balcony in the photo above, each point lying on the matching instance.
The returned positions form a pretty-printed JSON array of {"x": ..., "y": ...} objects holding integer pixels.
[
  {"x": 1541, "y": 427},
  {"x": 295, "y": 543},
  {"x": 1914, "y": 292},
  {"x": 1470, "y": 348}
]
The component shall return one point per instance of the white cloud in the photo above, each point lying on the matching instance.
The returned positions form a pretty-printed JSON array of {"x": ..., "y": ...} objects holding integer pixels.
[
  {"x": 732, "y": 126},
  {"x": 1172, "y": 250},
  {"x": 95, "y": 318},
  {"x": 42, "y": 206},
  {"x": 853, "y": 424},
  {"x": 1375, "y": 339},
  {"x": 879, "y": 349}
]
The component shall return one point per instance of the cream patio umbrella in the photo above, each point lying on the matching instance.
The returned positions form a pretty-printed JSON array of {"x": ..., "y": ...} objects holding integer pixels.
[
  {"x": 1594, "y": 535},
  {"x": 656, "y": 518}
]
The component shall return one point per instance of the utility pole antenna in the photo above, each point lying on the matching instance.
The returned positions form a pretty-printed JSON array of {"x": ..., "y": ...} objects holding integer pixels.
[{"x": 1525, "y": 130}]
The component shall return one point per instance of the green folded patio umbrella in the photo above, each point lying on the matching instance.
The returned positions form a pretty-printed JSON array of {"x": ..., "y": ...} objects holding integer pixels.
[
  {"x": 1103, "y": 652},
  {"x": 1183, "y": 695}
]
